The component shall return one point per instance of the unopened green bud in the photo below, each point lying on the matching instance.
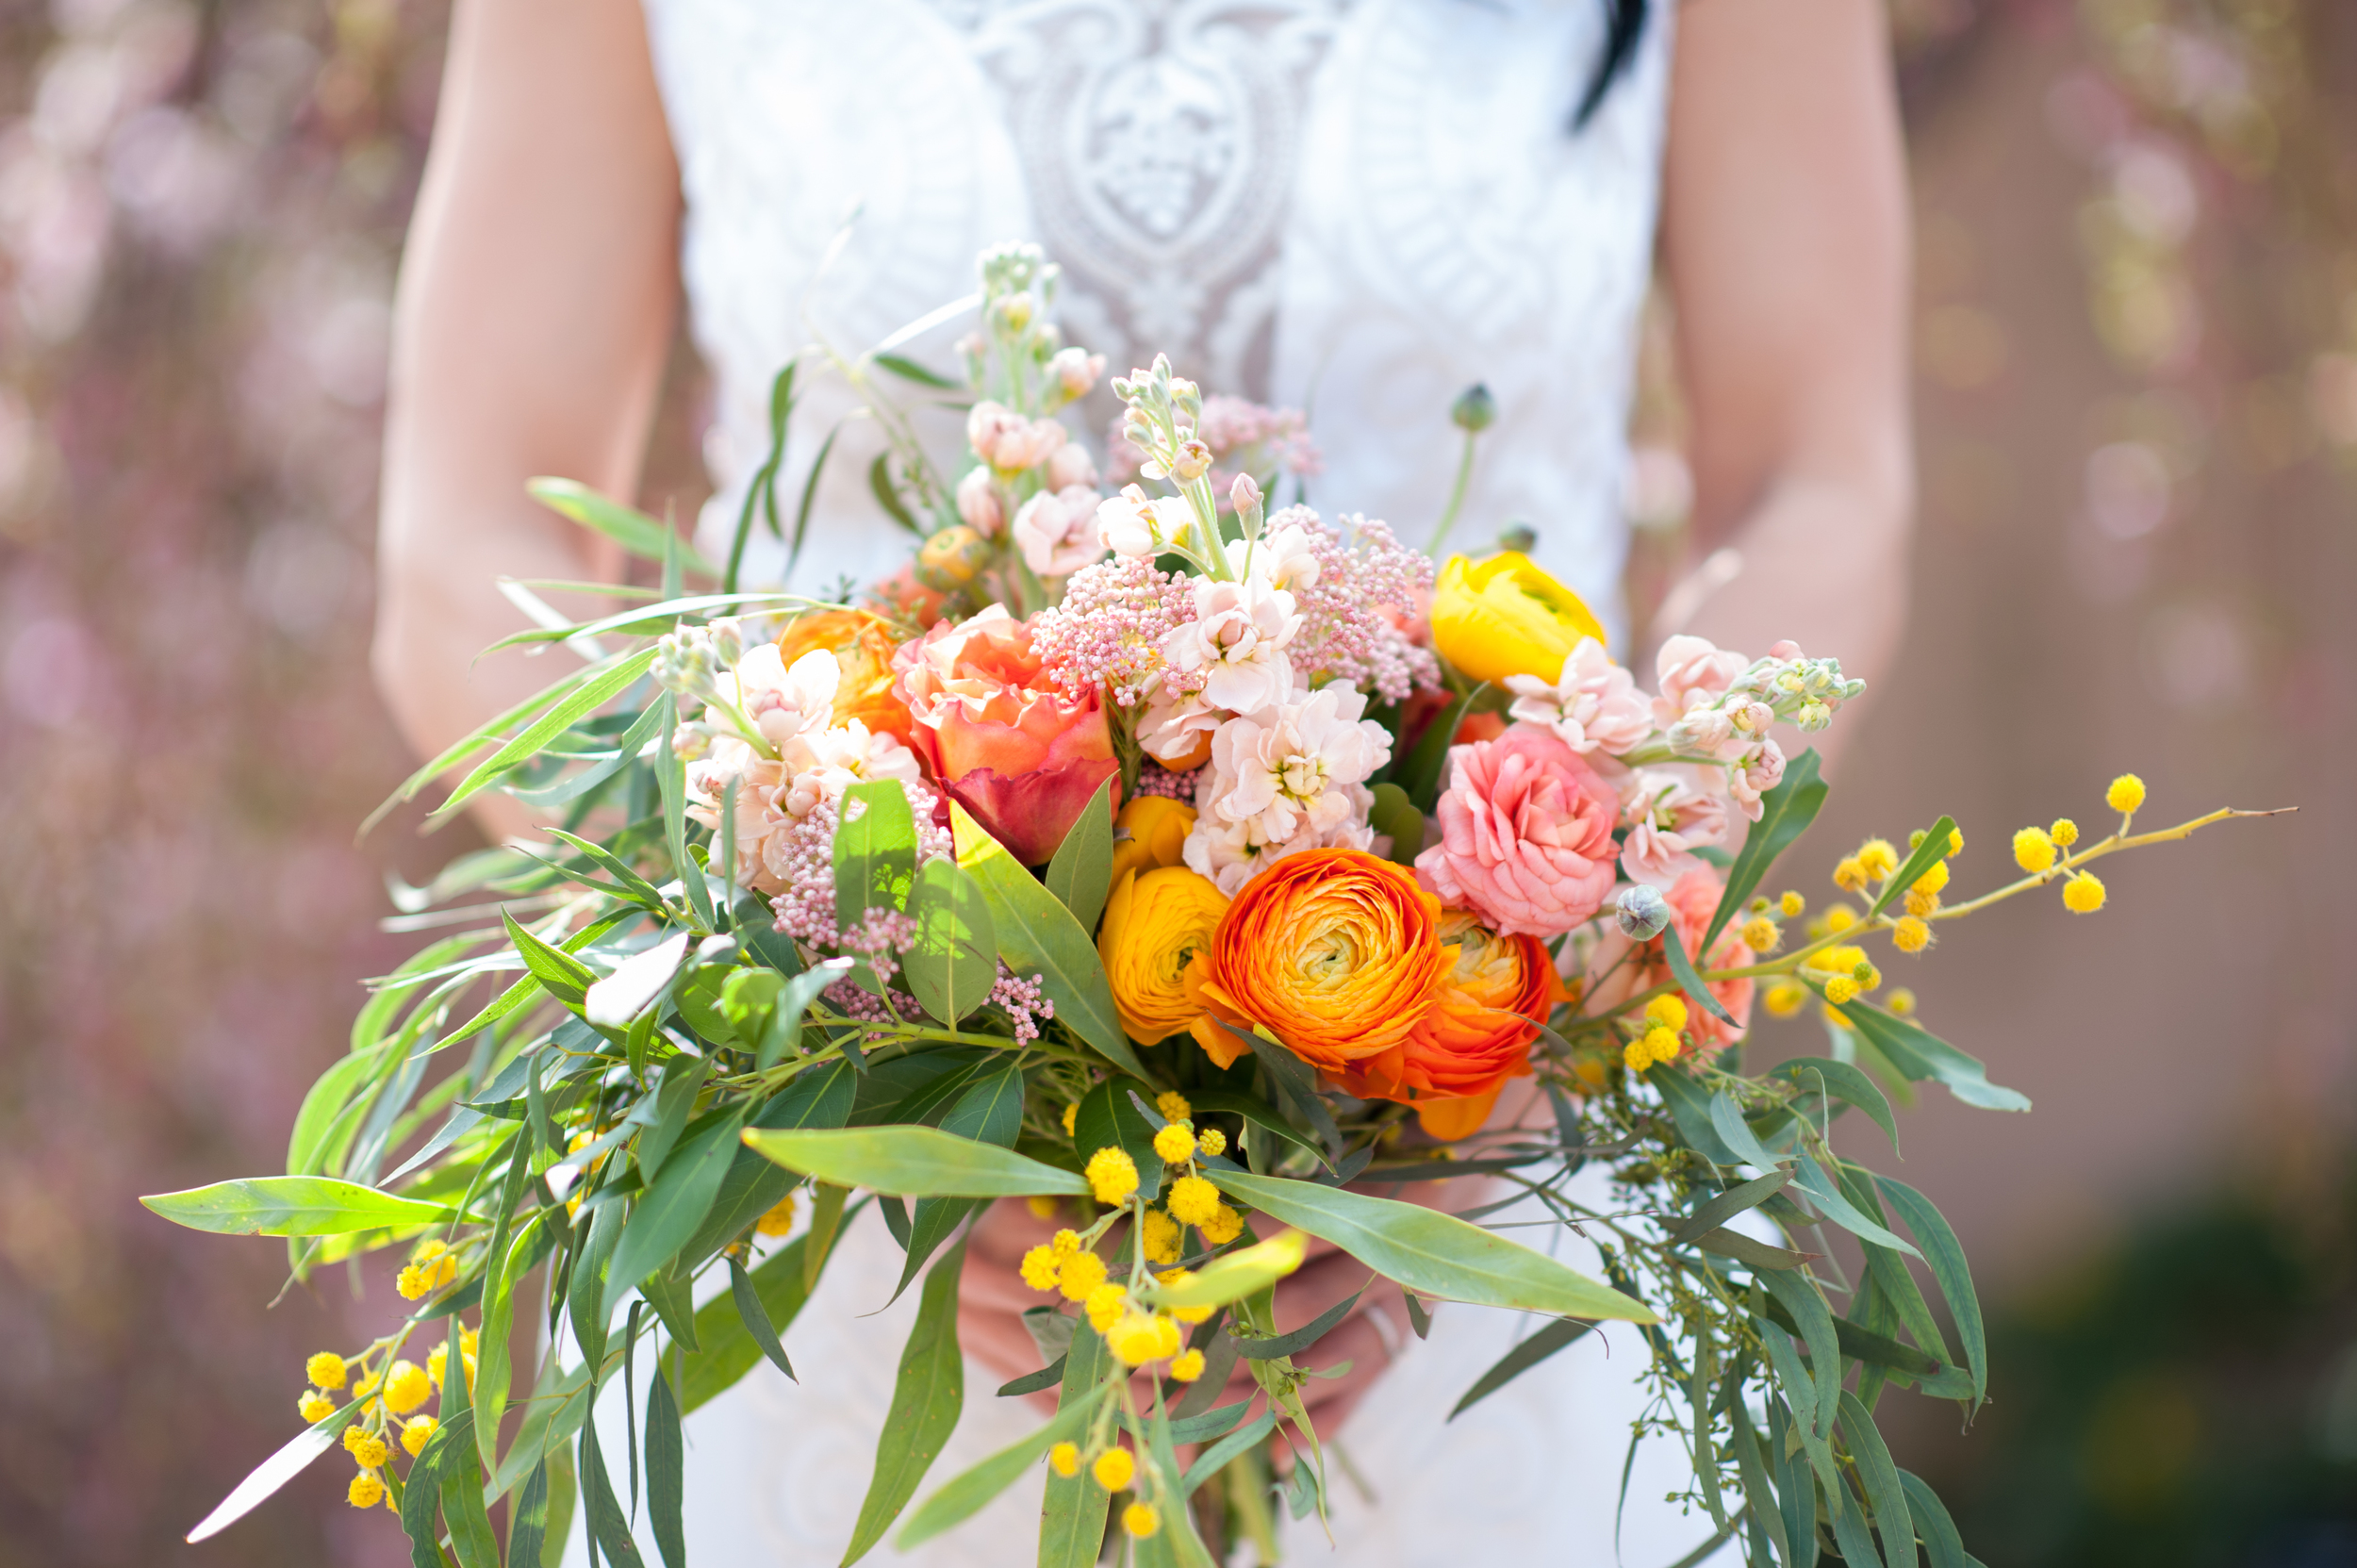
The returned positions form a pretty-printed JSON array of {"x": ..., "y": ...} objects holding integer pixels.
[{"x": 1475, "y": 411}]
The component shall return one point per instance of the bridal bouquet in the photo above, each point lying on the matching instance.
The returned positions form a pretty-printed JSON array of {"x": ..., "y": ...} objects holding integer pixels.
[{"x": 1209, "y": 876}]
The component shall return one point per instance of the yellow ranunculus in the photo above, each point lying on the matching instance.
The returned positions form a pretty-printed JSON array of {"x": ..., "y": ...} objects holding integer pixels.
[
  {"x": 1503, "y": 616},
  {"x": 1156, "y": 829},
  {"x": 1155, "y": 921}
]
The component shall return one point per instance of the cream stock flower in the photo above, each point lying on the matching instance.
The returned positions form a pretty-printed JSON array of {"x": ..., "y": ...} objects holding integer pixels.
[
  {"x": 1129, "y": 524},
  {"x": 1287, "y": 779},
  {"x": 978, "y": 501},
  {"x": 1237, "y": 640},
  {"x": 1593, "y": 705}
]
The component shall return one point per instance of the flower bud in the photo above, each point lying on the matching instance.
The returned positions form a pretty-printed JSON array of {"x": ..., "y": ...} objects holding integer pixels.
[
  {"x": 1641, "y": 912},
  {"x": 728, "y": 640},
  {"x": 1244, "y": 496},
  {"x": 1474, "y": 410},
  {"x": 1193, "y": 460},
  {"x": 1519, "y": 538}
]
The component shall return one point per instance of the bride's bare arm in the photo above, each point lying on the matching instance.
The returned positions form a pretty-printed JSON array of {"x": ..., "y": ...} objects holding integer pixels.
[
  {"x": 533, "y": 315},
  {"x": 1784, "y": 232}
]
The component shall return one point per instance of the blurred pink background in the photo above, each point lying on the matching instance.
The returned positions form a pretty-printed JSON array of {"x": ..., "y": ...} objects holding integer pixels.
[{"x": 2137, "y": 346}]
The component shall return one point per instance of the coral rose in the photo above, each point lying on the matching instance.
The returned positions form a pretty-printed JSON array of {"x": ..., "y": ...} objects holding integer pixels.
[
  {"x": 1156, "y": 922},
  {"x": 1526, "y": 835},
  {"x": 1334, "y": 952},
  {"x": 1151, "y": 830},
  {"x": 863, "y": 646},
  {"x": 1473, "y": 1038},
  {"x": 1003, "y": 740},
  {"x": 1503, "y": 616}
]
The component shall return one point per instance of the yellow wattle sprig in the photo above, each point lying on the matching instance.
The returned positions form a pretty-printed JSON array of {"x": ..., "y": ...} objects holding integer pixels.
[{"x": 2083, "y": 893}]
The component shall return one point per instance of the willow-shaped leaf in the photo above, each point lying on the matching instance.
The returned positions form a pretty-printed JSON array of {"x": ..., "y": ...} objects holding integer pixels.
[
  {"x": 668, "y": 1213},
  {"x": 1946, "y": 1258},
  {"x": 577, "y": 704},
  {"x": 967, "y": 1493},
  {"x": 925, "y": 1401},
  {"x": 627, "y": 526},
  {"x": 293, "y": 1206},
  {"x": 277, "y": 1470},
  {"x": 1072, "y": 1513},
  {"x": 1921, "y": 1054},
  {"x": 917, "y": 1162},
  {"x": 1933, "y": 849},
  {"x": 1432, "y": 1252},
  {"x": 1843, "y": 1081},
  {"x": 1785, "y": 814},
  {"x": 1537, "y": 1347}
]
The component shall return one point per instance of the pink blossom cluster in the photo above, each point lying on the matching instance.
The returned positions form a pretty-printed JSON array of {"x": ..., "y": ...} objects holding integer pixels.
[
  {"x": 1366, "y": 586},
  {"x": 879, "y": 935},
  {"x": 1024, "y": 1001},
  {"x": 1109, "y": 630}
]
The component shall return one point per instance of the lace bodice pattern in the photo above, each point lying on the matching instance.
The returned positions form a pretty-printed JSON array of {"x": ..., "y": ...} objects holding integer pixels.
[{"x": 1356, "y": 207}]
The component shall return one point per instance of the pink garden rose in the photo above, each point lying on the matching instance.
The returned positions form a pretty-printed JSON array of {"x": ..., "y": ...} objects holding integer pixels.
[
  {"x": 1004, "y": 741},
  {"x": 1526, "y": 835}
]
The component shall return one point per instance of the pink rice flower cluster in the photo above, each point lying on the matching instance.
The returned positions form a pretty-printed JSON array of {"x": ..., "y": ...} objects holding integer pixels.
[
  {"x": 879, "y": 935},
  {"x": 1108, "y": 633},
  {"x": 861, "y": 1005},
  {"x": 1526, "y": 835},
  {"x": 1154, "y": 779},
  {"x": 804, "y": 856},
  {"x": 1366, "y": 586},
  {"x": 1024, "y": 1001}
]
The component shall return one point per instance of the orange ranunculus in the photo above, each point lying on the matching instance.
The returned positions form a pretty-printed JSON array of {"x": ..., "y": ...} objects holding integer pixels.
[
  {"x": 1334, "y": 952},
  {"x": 863, "y": 646},
  {"x": 1003, "y": 740},
  {"x": 1460, "y": 1053}
]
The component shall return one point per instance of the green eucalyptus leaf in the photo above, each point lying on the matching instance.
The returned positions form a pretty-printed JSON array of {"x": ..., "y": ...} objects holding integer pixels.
[
  {"x": 1072, "y": 1513},
  {"x": 952, "y": 963},
  {"x": 874, "y": 851},
  {"x": 1108, "y": 1117},
  {"x": 609, "y": 681},
  {"x": 666, "y": 1469},
  {"x": 1919, "y": 1054},
  {"x": 1841, "y": 1081},
  {"x": 1682, "y": 970},
  {"x": 1082, "y": 871},
  {"x": 1435, "y": 1253},
  {"x": 1944, "y": 1255},
  {"x": 1933, "y": 849},
  {"x": 291, "y": 1461},
  {"x": 1037, "y": 934}
]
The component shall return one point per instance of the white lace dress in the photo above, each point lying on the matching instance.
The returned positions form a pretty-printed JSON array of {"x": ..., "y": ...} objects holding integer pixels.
[{"x": 1354, "y": 206}]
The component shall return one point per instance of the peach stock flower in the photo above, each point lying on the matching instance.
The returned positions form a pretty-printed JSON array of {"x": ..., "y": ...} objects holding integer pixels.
[
  {"x": 999, "y": 734},
  {"x": 1334, "y": 952},
  {"x": 1474, "y": 1037},
  {"x": 1526, "y": 835}
]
